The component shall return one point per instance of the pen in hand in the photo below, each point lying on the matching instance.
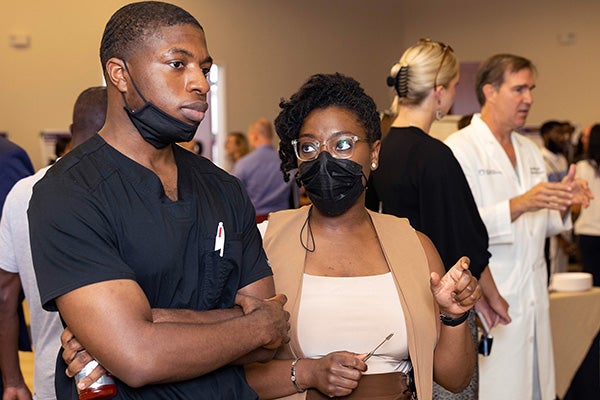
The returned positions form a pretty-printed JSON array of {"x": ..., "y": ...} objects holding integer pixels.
[{"x": 378, "y": 346}]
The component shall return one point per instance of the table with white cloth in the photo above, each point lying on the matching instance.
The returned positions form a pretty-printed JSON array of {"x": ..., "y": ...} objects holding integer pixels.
[{"x": 575, "y": 321}]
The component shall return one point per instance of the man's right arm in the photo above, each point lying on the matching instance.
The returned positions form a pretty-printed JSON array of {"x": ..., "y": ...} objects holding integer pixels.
[{"x": 113, "y": 320}]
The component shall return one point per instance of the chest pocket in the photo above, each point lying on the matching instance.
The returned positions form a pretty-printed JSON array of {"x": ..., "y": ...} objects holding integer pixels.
[{"x": 220, "y": 277}]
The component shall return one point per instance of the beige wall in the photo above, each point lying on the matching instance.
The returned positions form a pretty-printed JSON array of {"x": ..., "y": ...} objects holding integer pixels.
[
  {"x": 567, "y": 85},
  {"x": 269, "y": 47}
]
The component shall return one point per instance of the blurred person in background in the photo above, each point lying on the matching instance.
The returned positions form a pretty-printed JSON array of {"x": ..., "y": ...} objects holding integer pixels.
[
  {"x": 556, "y": 138},
  {"x": 465, "y": 120},
  {"x": 260, "y": 174},
  {"x": 14, "y": 166},
  {"x": 16, "y": 267},
  {"x": 586, "y": 383},
  {"x": 236, "y": 147},
  {"x": 195, "y": 146}
]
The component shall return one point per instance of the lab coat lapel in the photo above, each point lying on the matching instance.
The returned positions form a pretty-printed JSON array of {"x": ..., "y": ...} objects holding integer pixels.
[{"x": 498, "y": 157}]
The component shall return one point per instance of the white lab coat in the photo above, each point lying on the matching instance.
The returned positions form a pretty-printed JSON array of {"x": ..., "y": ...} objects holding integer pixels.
[{"x": 517, "y": 263}]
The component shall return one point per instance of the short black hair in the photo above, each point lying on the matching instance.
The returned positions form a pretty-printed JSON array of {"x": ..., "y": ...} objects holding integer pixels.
[
  {"x": 548, "y": 126},
  {"x": 89, "y": 114},
  {"x": 131, "y": 24},
  {"x": 319, "y": 92},
  {"x": 594, "y": 147}
]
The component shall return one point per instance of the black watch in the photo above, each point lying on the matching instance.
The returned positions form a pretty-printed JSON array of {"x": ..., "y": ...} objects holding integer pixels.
[{"x": 454, "y": 321}]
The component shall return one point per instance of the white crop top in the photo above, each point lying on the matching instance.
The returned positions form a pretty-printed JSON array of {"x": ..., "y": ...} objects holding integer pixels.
[{"x": 353, "y": 314}]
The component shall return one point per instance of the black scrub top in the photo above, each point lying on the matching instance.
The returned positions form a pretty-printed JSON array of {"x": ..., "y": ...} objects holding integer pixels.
[{"x": 98, "y": 215}]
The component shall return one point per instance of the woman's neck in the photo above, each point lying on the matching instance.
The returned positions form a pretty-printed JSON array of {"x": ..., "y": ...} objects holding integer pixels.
[
  {"x": 419, "y": 116},
  {"x": 357, "y": 214}
]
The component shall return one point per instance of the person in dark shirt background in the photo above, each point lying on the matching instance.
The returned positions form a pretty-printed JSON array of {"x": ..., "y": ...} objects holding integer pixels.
[{"x": 14, "y": 166}]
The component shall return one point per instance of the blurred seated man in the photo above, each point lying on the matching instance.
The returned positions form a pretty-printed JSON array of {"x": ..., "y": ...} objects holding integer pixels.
[{"x": 260, "y": 173}]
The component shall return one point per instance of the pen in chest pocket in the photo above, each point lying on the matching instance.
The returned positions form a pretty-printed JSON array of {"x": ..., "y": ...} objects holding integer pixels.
[{"x": 220, "y": 239}]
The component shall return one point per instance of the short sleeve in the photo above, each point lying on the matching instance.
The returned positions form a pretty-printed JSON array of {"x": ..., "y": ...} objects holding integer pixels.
[{"x": 62, "y": 216}]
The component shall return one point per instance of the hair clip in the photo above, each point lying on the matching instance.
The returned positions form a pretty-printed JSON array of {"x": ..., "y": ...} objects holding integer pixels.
[{"x": 402, "y": 85}]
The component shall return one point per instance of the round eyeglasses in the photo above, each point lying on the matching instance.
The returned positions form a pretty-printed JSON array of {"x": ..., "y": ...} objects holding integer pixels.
[{"x": 342, "y": 146}]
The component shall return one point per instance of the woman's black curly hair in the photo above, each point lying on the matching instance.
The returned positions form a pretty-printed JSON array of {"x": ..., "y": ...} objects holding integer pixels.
[{"x": 322, "y": 91}]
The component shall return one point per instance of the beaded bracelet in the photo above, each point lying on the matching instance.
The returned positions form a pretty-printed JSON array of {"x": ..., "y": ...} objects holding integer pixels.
[
  {"x": 293, "y": 376},
  {"x": 454, "y": 321}
]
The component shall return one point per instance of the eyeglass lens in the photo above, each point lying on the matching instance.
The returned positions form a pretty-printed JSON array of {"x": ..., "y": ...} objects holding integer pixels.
[{"x": 338, "y": 146}]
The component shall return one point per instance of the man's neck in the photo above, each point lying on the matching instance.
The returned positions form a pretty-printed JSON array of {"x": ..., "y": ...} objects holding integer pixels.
[
  {"x": 499, "y": 129},
  {"x": 125, "y": 138}
]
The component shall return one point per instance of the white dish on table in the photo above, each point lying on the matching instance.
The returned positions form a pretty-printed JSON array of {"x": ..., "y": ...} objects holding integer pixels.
[{"x": 571, "y": 281}]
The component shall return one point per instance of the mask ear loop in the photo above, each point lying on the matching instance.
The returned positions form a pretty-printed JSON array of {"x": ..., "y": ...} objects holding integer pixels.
[
  {"x": 310, "y": 239},
  {"x": 134, "y": 86}
]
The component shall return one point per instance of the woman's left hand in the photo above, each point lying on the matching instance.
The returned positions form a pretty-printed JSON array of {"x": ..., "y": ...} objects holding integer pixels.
[{"x": 457, "y": 291}]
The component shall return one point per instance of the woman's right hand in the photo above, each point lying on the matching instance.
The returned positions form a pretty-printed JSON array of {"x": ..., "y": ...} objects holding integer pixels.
[
  {"x": 77, "y": 358},
  {"x": 335, "y": 375}
]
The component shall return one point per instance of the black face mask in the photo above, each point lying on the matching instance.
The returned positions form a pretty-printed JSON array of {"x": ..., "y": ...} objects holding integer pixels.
[
  {"x": 156, "y": 126},
  {"x": 333, "y": 185}
]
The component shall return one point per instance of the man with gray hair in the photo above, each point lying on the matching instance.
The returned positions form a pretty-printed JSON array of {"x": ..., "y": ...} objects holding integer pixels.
[{"x": 519, "y": 208}]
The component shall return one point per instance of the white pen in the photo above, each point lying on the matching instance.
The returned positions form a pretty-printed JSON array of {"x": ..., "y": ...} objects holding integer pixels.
[{"x": 220, "y": 239}]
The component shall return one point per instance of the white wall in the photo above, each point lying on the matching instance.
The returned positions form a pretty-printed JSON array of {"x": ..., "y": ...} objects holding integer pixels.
[{"x": 269, "y": 47}]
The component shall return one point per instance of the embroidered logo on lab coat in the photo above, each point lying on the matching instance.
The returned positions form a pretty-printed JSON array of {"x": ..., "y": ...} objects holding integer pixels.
[
  {"x": 534, "y": 170},
  {"x": 487, "y": 171}
]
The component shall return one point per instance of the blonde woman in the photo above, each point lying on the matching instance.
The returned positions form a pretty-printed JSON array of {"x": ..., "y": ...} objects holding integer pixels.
[{"x": 419, "y": 178}]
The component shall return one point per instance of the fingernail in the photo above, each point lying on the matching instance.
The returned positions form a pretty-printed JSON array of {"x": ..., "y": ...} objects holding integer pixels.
[{"x": 80, "y": 386}]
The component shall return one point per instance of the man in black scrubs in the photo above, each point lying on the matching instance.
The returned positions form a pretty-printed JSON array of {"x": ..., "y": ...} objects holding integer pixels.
[{"x": 151, "y": 253}]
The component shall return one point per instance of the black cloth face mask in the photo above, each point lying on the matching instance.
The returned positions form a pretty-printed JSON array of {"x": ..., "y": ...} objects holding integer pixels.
[
  {"x": 332, "y": 184},
  {"x": 156, "y": 126}
]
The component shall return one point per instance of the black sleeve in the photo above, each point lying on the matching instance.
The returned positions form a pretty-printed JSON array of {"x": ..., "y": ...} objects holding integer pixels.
[
  {"x": 72, "y": 244},
  {"x": 452, "y": 218}
]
